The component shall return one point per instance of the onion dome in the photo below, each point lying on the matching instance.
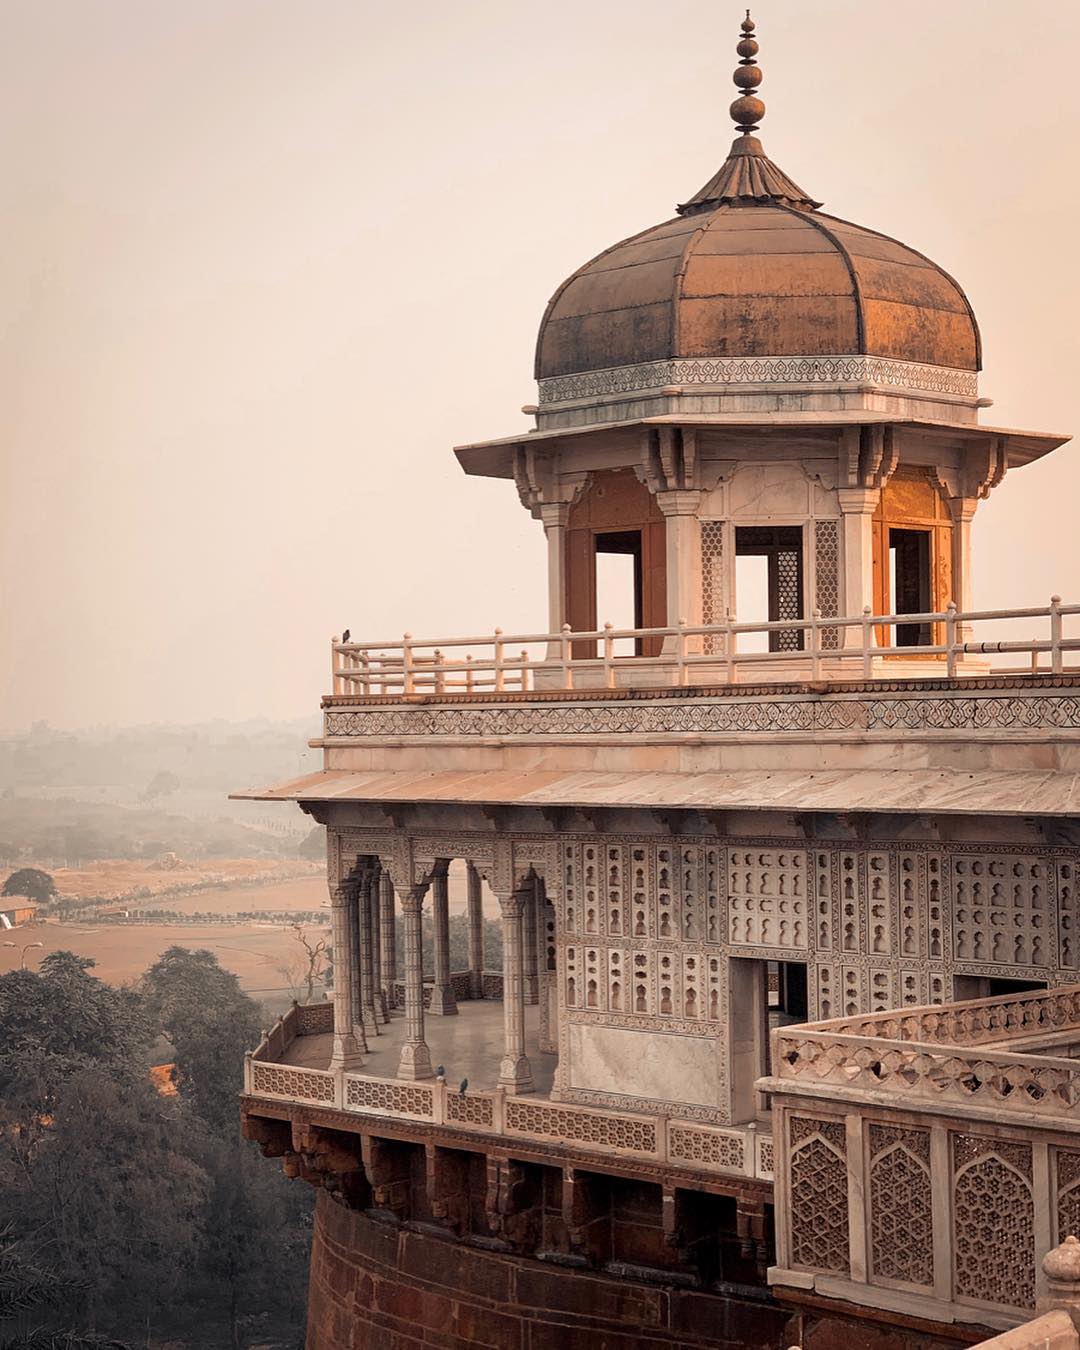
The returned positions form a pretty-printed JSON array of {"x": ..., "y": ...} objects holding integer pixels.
[{"x": 752, "y": 267}]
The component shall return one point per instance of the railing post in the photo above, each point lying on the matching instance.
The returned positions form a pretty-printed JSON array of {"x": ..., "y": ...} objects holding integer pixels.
[
  {"x": 499, "y": 680},
  {"x": 249, "y": 1074},
  {"x": 609, "y": 657},
  {"x": 1055, "y": 634},
  {"x": 525, "y": 670},
  {"x": 440, "y": 674},
  {"x": 729, "y": 646},
  {"x": 365, "y": 666},
  {"x": 680, "y": 652},
  {"x": 950, "y": 639},
  {"x": 867, "y": 644},
  {"x": 564, "y": 657},
  {"x": 815, "y": 645},
  {"x": 468, "y": 674},
  {"x": 337, "y": 683},
  {"x": 407, "y": 664}
]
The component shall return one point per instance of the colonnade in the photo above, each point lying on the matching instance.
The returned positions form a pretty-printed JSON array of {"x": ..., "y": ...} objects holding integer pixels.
[{"x": 366, "y": 962}]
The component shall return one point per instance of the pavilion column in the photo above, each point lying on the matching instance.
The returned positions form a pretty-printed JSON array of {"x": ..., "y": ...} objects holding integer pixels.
[
  {"x": 367, "y": 963},
  {"x": 356, "y": 998},
  {"x": 515, "y": 1072},
  {"x": 857, "y": 578},
  {"x": 442, "y": 1003},
  {"x": 682, "y": 532},
  {"x": 375, "y": 904},
  {"x": 530, "y": 973},
  {"x": 415, "y": 1059},
  {"x": 388, "y": 938},
  {"x": 962, "y": 510},
  {"x": 476, "y": 932},
  {"x": 555, "y": 516},
  {"x": 345, "y": 1052}
]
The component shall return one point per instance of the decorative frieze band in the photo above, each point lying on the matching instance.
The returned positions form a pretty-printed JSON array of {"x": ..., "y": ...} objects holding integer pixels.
[
  {"x": 725, "y": 372},
  {"x": 723, "y": 715}
]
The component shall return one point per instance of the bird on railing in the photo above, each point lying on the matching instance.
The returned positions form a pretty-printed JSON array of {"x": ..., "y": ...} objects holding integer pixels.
[
  {"x": 440, "y": 1072},
  {"x": 346, "y": 635},
  {"x": 464, "y": 1085}
]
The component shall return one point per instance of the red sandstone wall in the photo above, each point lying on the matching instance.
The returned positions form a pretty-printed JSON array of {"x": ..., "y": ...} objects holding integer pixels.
[{"x": 375, "y": 1287}]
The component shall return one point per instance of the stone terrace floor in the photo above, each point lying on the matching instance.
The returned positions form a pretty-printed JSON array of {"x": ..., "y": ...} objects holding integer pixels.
[{"x": 469, "y": 1045}]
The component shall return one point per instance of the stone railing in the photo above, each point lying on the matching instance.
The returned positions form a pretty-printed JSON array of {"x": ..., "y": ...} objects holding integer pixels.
[
  {"x": 974, "y": 1022},
  {"x": 926, "y": 1160},
  {"x": 688, "y": 654},
  {"x": 741, "y": 1151},
  {"x": 460, "y": 982}
]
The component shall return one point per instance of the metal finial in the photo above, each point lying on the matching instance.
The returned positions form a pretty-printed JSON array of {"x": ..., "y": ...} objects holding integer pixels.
[{"x": 747, "y": 110}]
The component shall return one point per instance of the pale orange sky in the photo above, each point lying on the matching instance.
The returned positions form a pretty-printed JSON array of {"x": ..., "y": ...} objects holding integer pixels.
[{"x": 264, "y": 263}]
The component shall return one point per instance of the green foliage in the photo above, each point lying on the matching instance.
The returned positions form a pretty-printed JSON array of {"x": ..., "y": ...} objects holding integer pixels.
[
  {"x": 211, "y": 1023},
  {"x": 31, "y": 882}
]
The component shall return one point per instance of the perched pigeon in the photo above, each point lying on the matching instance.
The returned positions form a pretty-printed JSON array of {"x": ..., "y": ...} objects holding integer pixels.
[
  {"x": 346, "y": 635},
  {"x": 464, "y": 1085},
  {"x": 440, "y": 1072}
]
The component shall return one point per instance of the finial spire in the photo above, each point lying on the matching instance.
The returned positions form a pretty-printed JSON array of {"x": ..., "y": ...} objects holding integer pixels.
[{"x": 747, "y": 110}]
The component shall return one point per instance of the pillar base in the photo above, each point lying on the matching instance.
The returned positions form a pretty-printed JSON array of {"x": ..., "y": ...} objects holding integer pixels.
[
  {"x": 515, "y": 1075},
  {"x": 371, "y": 1019},
  {"x": 415, "y": 1061},
  {"x": 532, "y": 988},
  {"x": 346, "y": 1053},
  {"x": 359, "y": 1032},
  {"x": 476, "y": 984},
  {"x": 443, "y": 1003}
]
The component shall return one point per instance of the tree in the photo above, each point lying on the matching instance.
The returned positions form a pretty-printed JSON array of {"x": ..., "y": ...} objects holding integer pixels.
[
  {"x": 311, "y": 965},
  {"x": 211, "y": 1023},
  {"x": 31, "y": 882},
  {"x": 26, "y": 1286},
  {"x": 163, "y": 784}
]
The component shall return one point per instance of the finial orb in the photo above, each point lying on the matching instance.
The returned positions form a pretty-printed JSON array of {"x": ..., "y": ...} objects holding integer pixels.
[
  {"x": 1062, "y": 1263},
  {"x": 747, "y": 77},
  {"x": 747, "y": 111},
  {"x": 748, "y": 24},
  {"x": 748, "y": 47}
]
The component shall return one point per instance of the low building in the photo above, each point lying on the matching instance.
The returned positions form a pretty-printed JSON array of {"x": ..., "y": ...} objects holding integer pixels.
[{"x": 15, "y": 913}]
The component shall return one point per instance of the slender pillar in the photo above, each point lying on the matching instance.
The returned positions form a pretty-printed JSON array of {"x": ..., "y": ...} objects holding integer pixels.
[
  {"x": 554, "y": 516},
  {"x": 530, "y": 967},
  {"x": 415, "y": 1059},
  {"x": 682, "y": 533},
  {"x": 962, "y": 510},
  {"x": 367, "y": 963},
  {"x": 443, "y": 1003},
  {"x": 345, "y": 1052},
  {"x": 515, "y": 1071},
  {"x": 356, "y": 1002},
  {"x": 375, "y": 900},
  {"x": 476, "y": 932},
  {"x": 857, "y": 577},
  {"x": 388, "y": 937}
]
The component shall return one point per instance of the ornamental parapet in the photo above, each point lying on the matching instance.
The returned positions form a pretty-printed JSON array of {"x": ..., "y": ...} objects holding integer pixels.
[
  {"x": 927, "y": 1160},
  {"x": 496, "y": 1116}
]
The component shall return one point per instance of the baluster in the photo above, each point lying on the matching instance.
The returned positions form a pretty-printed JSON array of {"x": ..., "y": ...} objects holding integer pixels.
[
  {"x": 680, "y": 652},
  {"x": 524, "y": 669},
  {"x": 468, "y": 673},
  {"x": 729, "y": 646},
  {"x": 407, "y": 664},
  {"x": 950, "y": 639},
  {"x": 564, "y": 657},
  {"x": 440, "y": 674},
  {"x": 815, "y": 643},
  {"x": 1055, "y": 634},
  {"x": 337, "y": 682},
  {"x": 499, "y": 680},
  {"x": 867, "y": 644},
  {"x": 609, "y": 656}
]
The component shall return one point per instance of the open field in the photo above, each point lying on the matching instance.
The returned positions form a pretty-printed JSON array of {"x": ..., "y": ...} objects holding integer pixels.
[
  {"x": 254, "y": 952},
  {"x": 117, "y": 879},
  {"x": 306, "y": 892}
]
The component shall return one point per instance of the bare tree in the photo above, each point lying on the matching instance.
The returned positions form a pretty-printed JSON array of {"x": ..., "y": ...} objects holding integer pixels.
[{"x": 313, "y": 961}]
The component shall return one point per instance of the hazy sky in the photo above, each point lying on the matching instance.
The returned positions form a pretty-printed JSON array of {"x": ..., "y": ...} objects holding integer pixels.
[{"x": 264, "y": 263}]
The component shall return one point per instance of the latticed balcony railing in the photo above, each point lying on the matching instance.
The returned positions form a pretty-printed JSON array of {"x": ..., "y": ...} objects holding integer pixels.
[
  {"x": 694, "y": 654},
  {"x": 737, "y": 1151}
]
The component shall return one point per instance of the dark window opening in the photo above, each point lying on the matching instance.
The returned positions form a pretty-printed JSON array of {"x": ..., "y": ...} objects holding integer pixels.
[
  {"x": 991, "y": 986},
  {"x": 619, "y": 595},
  {"x": 782, "y": 547},
  {"x": 909, "y": 565}
]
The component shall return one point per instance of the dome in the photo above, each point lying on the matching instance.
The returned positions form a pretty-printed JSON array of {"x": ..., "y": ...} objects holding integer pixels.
[{"x": 751, "y": 267}]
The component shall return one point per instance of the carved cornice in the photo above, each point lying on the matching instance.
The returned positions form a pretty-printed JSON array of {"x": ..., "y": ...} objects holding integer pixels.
[{"x": 725, "y": 372}]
